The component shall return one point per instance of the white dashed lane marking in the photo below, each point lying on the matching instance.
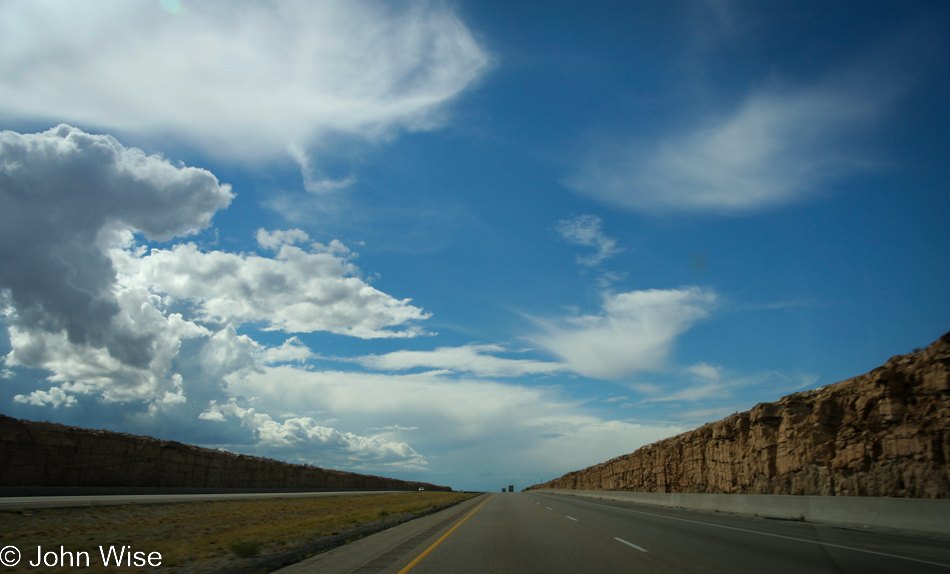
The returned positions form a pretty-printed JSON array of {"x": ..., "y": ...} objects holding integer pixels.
[{"x": 631, "y": 544}]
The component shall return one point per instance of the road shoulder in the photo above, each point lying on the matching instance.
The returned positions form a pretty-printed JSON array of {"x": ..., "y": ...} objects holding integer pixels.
[{"x": 376, "y": 552}]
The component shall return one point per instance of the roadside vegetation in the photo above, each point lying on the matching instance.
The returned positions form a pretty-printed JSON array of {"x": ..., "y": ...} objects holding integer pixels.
[{"x": 209, "y": 536}]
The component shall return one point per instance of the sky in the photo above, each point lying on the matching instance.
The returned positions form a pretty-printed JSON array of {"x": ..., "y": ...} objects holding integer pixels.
[{"x": 469, "y": 243}]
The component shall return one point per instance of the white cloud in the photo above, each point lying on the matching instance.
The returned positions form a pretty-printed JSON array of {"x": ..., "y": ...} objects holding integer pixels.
[
  {"x": 454, "y": 409},
  {"x": 573, "y": 445},
  {"x": 776, "y": 147},
  {"x": 717, "y": 390},
  {"x": 55, "y": 397},
  {"x": 273, "y": 240},
  {"x": 467, "y": 358},
  {"x": 457, "y": 421},
  {"x": 312, "y": 179},
  {"x": 290, "y": 351},
  {"x": 703, "y": 372},
  {"x": 634, "y": 332},
  {"x": 241, "y": 79},
  {"x": 586, "y": 230},
  {"x": 307, "y": 440},
  {"x": 227, "y": 352},
  {"x": 295, "y": 291}
]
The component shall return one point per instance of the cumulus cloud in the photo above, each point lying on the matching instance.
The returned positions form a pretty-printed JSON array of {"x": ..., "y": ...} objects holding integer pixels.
[
  {"x": 92, "y": 368},
  {"x": 66, "y": 196},
  {"x": 297, "y": 290},
  {"x": 64, "y": 193},
  {"x": 319, "y": 444},
  {"x": 774, "y": 148},
  {"x": 245, "y": 80},
  {"x": 103, "y": 315},
  {"x": 634, "y": 331},
  {"x": 227, "y": 352},
  {"x": 290, "y": 351},
  {"x": 273, "y": 240},
  {"x": 55, "y": 397},
  {"x": 586, "y": 230},
  {"x": 474, "y": 359}
]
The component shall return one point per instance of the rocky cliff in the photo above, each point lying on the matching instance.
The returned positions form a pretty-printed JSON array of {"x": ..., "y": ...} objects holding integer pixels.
[
  {"x": 51, "y": 455},
  {"x": 885, "y": 433}
]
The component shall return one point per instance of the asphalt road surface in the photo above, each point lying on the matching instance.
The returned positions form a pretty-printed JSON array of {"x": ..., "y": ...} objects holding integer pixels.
[{"x": 543, "y": 533}]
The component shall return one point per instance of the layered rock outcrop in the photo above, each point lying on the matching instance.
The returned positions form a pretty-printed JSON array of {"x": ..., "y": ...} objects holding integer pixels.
[
  {"x": 885, "y": 433},
  {"x": 38, "y": 454}
]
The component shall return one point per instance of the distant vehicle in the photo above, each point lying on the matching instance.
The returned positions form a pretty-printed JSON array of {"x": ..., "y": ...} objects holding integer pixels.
[{"x": 422, "y": 488}]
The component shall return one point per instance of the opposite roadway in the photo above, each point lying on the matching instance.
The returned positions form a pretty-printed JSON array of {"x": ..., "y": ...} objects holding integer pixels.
[{"x": 544, "y": 533}]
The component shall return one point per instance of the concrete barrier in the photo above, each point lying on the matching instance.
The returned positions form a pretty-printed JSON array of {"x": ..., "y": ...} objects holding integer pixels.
[{"x": 909, "y": 514}]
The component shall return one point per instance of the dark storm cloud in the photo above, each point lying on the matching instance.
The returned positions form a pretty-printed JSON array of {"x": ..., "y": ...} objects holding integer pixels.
[{"x": 65, "y": 195}]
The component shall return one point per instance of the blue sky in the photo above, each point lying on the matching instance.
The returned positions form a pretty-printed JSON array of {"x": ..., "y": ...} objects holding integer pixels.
[{"x": 472, "y": 243}]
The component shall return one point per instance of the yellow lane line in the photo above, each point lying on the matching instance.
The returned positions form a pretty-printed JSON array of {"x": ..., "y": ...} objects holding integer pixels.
[{"x": 412, "y": 564}]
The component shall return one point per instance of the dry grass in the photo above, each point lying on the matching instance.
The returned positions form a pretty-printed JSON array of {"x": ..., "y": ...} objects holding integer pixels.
[{"x": 203, "y": 536}]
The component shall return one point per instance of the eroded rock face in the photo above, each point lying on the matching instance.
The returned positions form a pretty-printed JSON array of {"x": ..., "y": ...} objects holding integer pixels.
[
  {"x": 885, "y": 433},
  {"x": 46, "y": 454}
]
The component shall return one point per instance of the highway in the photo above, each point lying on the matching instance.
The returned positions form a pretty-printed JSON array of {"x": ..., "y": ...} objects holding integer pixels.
[{"x": 546, "y": 533}]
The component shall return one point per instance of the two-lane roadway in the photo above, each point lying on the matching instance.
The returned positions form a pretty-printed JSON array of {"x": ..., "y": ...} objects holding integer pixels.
[{"x": 544, "y": 533}]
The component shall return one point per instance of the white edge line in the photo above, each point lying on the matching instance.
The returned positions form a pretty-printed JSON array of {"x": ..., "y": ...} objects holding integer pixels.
[
  {"x": 769, "y": 534},
  {"x": 631, "y": 544}
]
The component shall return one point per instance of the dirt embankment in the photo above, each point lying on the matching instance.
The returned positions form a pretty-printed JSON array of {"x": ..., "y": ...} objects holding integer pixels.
[
  {"x": 885, "y": 433},
  {"x": 38, "y": 454}
]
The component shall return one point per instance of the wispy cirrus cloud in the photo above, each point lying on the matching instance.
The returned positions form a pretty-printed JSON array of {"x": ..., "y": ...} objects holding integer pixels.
[
  {"x": 633, "y": 332},
  {"x": 479, "y": 360},
  {"x": 778, "y": 146},
  {"x": 703, "y": 392},
  {"x": 240, "y": 80},
  {"x": 587, "y": 230}
]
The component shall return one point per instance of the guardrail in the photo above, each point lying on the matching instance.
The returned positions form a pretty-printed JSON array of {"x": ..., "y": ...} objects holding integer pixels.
[{"x": 911, "y": 514}]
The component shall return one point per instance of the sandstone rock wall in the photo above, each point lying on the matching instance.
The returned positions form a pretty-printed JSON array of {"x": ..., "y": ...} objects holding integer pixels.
[
  {"x": 885, "y": 433},
  {"x": 46, "y": 455}
]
